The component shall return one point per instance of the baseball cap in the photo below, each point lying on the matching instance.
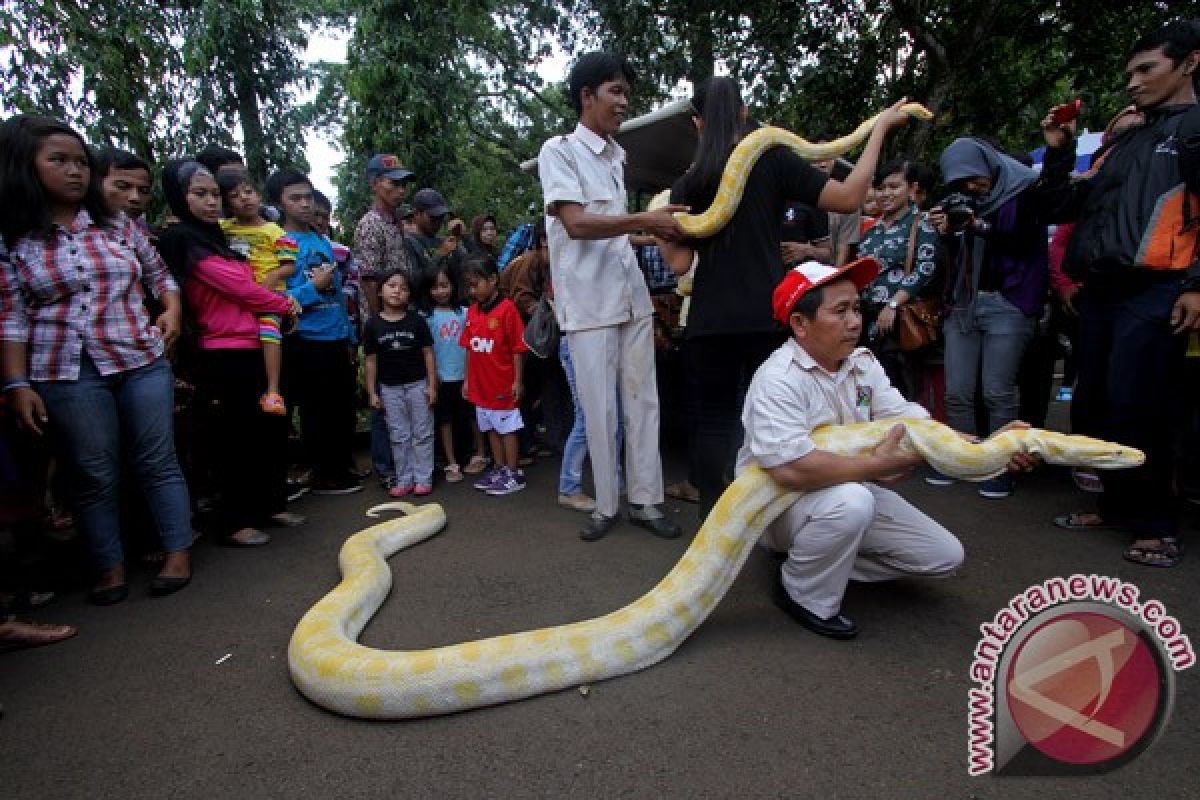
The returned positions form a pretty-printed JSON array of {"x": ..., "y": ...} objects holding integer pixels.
[
  {"x": 811, "y": 274},
  {"x": 388, "y": 166},
  {"x": 431, "y": 202}
]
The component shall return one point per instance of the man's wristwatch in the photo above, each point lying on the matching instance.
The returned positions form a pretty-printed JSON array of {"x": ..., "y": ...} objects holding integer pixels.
[{"x": 893, "y": 305}]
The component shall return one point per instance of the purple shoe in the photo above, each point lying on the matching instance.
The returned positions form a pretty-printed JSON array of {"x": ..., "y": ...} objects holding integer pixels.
[
  {"x": 489, "y": 479},
  {"x": 509, "y": 482}
]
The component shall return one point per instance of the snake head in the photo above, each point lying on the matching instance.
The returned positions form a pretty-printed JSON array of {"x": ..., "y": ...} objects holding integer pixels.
[{"x": 1097, "y": 453}]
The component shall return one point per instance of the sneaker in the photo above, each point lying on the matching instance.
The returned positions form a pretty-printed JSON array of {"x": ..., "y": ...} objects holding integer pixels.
[
  {"x": 485, "y": 482},
  {"x": 421, "y": 490},
  {"x": 998, "y": 487},
  {"x": 935, "y": 478},
  {"x": 1064, "y": 395},
  {"x": 508, "y": 482},
  {"x": 400, "y": 491},
  {"x": 344, "y": 485},
  {"x": 577, "y": 502}
]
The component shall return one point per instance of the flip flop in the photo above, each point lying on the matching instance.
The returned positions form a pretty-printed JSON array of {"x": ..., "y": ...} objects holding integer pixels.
[
  {"x": 33, "y": 634},
  {"x": 1073, "y": 522},
  {"x": 683, "y": 491},
  {"x": 1166, "y": 555}
]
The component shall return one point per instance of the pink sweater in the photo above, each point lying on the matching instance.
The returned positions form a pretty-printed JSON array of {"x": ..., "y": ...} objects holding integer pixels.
[{"x": 225, "y": 301}]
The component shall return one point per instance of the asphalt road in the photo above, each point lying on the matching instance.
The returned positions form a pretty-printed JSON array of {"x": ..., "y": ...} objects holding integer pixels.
[{"x": 750, "y": 706}]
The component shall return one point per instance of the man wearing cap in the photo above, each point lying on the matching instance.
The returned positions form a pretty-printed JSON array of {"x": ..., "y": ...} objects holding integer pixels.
[
  {"x": 427, "y": 249},
  {"x": 843, "y": 527},
  {"x": 379, "y": 238}
]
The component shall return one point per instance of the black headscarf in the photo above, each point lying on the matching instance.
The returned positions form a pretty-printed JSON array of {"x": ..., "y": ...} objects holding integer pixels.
[{"x": 189, "y": 239}]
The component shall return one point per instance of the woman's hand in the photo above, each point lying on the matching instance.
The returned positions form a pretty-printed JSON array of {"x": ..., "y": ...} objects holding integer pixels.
[
  {"x": 30, "y": 410},
  {"x": 373, "y": 400},
  {"x": 886, "y": 321},
  {"x": 518, "y": 390},
  {"x": 1021, "y": 462},
  {"x": 169, "y": 325}
]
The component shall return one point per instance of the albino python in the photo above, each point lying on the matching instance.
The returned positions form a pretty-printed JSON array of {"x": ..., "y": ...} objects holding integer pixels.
[
  {"x": 336, "y": 672},
  {"x": 753, "y": 145}
]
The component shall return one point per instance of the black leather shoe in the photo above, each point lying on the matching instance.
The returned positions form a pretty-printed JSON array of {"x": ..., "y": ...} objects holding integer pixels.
[
  {"x": 108, "y": 596},
  {"x": 597, "y": 525},
  {"x": 659, "y": 526},
  {"x": 163, "y": 585},
  {"x": 839, "y": 626}
]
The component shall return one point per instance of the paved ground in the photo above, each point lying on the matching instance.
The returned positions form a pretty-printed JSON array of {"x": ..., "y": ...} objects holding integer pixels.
[{"x": 750, "y": 706}]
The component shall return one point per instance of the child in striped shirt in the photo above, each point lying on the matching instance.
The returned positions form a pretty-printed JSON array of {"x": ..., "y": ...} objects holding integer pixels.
[{"x": 272, "y": 256}]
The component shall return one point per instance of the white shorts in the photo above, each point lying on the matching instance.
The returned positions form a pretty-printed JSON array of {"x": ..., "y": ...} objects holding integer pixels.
[{"x": 499, "y": 421}]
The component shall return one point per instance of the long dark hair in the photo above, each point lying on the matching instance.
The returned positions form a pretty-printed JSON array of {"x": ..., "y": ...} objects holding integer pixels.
[
  {"x": 426, "y": 302},
  {"x": 718, "y": 102},
  {"x": 26, "y": 209}
]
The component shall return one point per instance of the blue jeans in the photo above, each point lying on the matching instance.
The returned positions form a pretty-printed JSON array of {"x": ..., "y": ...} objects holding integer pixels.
[
  {"x": 570, "y": 475},
  {"x": 984, "y": 342},
  {"x": 100, "y": 419}
]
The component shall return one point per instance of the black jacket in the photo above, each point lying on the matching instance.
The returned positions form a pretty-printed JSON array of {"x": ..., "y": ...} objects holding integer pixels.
[{"x": 1136, "y": 214}]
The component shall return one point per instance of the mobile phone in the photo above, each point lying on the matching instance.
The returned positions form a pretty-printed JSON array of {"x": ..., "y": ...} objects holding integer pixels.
[{"x": 1062, "y": 114}]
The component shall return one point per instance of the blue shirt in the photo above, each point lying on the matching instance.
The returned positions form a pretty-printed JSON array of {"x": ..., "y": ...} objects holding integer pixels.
[
  {"x": 446, "y": 325},
  {"x": 324, "y": 318}
]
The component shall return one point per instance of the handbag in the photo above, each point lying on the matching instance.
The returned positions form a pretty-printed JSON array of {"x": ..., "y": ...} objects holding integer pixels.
[
  {"x": 541, "y": 332},
  {"x": 918, "y": 322}
]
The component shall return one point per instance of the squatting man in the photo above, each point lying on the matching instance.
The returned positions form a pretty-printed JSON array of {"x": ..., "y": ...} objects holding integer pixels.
[{"x": 844, "y": 526}]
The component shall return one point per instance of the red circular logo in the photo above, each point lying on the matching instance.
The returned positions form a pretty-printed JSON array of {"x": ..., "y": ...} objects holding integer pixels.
[{"x": 1083, "y": 688}]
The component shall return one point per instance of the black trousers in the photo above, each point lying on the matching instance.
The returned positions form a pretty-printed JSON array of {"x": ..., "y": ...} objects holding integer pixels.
[
  {"x": 719, "y": 370},
  {"x": 321, "y": 381},
  {"x": 248, "y": 449},
  {"x": 1130, "y": 370}
]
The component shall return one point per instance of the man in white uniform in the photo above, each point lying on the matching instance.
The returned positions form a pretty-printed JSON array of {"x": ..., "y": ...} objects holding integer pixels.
[
  {"x": 601, "y": 300},
  {"x": 844, "y": 527}
]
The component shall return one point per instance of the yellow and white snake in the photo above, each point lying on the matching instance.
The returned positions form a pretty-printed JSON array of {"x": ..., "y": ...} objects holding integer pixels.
[{"x": 334, "y": 671}]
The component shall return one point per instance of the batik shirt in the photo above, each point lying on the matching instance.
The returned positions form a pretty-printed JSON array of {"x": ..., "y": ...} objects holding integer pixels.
[{"x": 889, "y": 244}]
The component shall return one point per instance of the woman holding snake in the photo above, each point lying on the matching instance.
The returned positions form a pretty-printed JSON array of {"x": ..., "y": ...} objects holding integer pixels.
[{"x": 730, "y": 330}]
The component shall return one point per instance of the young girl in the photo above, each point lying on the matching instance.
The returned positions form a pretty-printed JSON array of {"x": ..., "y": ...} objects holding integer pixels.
[
  {"x": 494, "y": 338},
  {"x": 272, "y": 257},
  {"x": 400, "y": 365},
  {"x": 446, "y": 320}
]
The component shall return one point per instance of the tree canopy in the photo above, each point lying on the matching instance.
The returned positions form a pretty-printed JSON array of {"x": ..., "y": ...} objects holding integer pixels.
[{"x": 454, "y": 88}]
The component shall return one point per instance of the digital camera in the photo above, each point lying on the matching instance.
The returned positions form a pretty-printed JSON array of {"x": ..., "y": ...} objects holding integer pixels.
[{"x": 959, "y": 209}]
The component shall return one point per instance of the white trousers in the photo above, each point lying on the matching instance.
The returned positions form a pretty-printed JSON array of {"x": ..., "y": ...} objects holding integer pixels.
[
  {"x": 622, "y": 356},
  {"x": 856, "y": 531}
]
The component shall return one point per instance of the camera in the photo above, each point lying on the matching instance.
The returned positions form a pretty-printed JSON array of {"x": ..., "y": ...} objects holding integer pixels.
[{"x": 959, "y": 209}]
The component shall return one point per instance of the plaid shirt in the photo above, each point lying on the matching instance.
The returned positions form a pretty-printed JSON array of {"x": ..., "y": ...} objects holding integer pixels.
[{"x": 82, "y": 289}]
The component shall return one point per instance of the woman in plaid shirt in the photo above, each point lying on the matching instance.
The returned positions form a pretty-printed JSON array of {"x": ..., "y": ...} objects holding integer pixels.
[{"x": 80, "y": 355}]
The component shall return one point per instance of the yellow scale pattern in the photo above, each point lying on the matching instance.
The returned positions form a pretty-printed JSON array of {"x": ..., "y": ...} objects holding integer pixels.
[{"x": 330, "y": 668}]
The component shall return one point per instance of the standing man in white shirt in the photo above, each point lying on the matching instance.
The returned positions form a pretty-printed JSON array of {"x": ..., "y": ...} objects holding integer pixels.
[
  {"x": 844, "y": 526},
  {"x": 601, "y": 300}
]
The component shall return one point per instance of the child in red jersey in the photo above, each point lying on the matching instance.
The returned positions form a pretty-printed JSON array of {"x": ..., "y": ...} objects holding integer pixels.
[{"x": 494, "y": 339}]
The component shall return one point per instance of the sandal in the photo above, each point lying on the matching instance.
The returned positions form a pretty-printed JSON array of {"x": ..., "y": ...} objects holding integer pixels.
[
  {"x": 683, "y": 490},
  {"x": 1168, "y": 553},
  {"x": 17, "y": 634},
  {"x": 272, "y": 403},
  {"x": 1079, "y": 521},
  {"x": 1087, "y": 481},
  {"x": 453, "y": 473},
  {"x": 476, "y": 465}
]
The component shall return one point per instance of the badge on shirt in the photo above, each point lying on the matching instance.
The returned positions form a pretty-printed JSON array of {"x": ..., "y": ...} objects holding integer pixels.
[
  {"x": 863, "y": 397},
  {"x": 493, "y": 323}
]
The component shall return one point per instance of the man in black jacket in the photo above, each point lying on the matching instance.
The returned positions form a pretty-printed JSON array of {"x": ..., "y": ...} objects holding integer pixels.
[{"x": 1135, "y": 252}]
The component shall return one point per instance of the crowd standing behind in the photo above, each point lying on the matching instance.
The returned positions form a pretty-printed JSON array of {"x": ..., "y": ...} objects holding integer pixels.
[{"x": 259, "y": 311}]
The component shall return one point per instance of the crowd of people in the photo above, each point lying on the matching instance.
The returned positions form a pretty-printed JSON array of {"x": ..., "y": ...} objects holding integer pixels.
[{"x": 154, "y": 375}]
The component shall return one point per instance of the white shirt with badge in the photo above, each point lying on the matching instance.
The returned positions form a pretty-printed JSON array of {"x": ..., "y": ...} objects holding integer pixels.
[
  {"x": 597, "y": 283},
  {"x": 791, "y": 395}
]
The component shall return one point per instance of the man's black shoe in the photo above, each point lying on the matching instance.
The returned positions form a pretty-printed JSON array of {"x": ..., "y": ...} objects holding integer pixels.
[
  {"x": 839, "y": 626},
  {"x": 597, "y": 525},
  {"x": 659, "y": 526}
]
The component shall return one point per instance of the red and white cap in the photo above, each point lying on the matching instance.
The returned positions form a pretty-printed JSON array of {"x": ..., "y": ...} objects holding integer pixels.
[{"x": 811, "y": 274}]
